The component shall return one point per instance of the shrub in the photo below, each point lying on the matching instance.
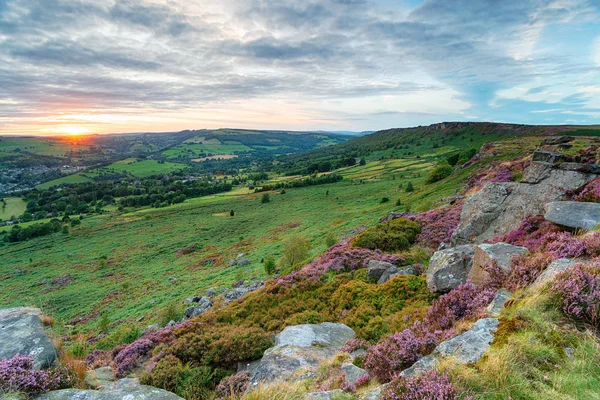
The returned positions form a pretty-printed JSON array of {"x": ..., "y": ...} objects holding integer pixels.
[
  {"x": 233, "y": 386},
  {"x": 295, "y": 250},
  {"x": 17, "y": 375},
  {"x": 525, "y": 270},
  {"x": 384, "y": 200},
  {"x": 397, "y": 234},
  {"x": 409, "y": 187},
  {"x": 437, "y": 225},
  {"x": 579, "y": 289},
  {"x": 330, "y": 239},
  {"x": 592, "y": 244},
  {"x": 269, "y": 265},
  {"x": 439, "y": 172},
  {"x": 431, "y": 385},
  {"x": 168, "y": 314},
  {"x": 265, "y": 198}
]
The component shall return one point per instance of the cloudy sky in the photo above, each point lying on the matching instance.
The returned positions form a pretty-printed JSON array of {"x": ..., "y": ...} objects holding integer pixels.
[{"x": 73, "y": 66}]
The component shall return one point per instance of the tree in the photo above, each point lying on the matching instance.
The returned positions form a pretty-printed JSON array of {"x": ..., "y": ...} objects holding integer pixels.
[
  {"x": 295, "y": 250},
  {"x": 409, "y": 187},
  {"x": 265, "y": 198},
  {"x": 362, "y": 161},
  {"x": 269, "y": 264},
  {"x": 398, "y": 203},
  {"x": 440, "y": 172},
  {"x": 231, "y": 213}
]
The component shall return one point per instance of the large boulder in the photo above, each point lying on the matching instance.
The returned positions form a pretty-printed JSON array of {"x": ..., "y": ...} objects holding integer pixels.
[
  {"x": 573, "y": 214},
  {"x": 449, "y": 268},
  {"x": 467, "y": 348},
  {"x": 375, "y": 269},
  {"x": 329, "y": 395},
  {"x": 398, "y": 271},
  {"x": 555, "y": 267},
  {"x": 299, "y": 350},
  {"x": 22, "y": 332},
  {"x": 124, "y": 389},
  {"x": 100, "y": 377},
  {"x": 353, "y": 372},
  {"x": 499, "y": 207},
  {"x": 487, "y": 254}
]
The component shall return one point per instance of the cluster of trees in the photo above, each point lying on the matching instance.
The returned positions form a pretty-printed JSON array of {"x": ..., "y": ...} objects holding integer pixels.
[
  {"x": 174, "y": 197},
  {"x": 310, "y": 181},
  {"x": 19, "y": 234}
]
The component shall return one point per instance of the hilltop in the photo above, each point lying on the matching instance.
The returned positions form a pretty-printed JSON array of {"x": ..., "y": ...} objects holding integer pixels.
[{"x": 360, "y": 270}]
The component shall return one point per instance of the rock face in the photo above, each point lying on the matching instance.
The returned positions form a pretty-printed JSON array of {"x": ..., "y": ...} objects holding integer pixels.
[
  {"x": 22, "y": 332},
  {"x": 486, "y": 254},
  {"x": 556, "y": 267},
  {"x": 449, "y": 268},
  {"x": 466, "y": 348},
  {"x": 124, "y": 389},
  {"x": 301, "y": 349},
  {"x": 200, "y": 305},
  {"x": 499, "y": 207},
  {"x": 573, "y": 214},
  {"x": 375, "y": 269},
  {"x": 496, "y": 306}
]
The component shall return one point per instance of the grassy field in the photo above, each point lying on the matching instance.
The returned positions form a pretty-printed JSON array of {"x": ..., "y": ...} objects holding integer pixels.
[
  {"x": 14, "y": 206},
  {"x": 47, "y": 147},
  {"x": 194, "y": 149},
  {"x": 140, "y": 169},
  {"x": 141, "y": 247}
]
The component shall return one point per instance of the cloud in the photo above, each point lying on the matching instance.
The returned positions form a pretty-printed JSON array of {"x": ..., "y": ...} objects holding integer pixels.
[{"x": 441, "y": 59}]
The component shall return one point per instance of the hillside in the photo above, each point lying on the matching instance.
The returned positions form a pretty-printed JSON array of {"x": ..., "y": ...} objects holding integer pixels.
[{"x": 401, "y": 274}]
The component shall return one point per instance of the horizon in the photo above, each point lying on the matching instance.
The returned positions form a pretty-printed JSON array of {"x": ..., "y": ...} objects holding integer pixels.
[{"x": 153, "y": 66}]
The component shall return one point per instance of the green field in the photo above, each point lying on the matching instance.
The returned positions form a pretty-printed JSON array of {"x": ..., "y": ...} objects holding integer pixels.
[
  {"x": 14, "y": 207},
  {"x": 195, "y": 149},
  {"x": 140, "y": 169}
]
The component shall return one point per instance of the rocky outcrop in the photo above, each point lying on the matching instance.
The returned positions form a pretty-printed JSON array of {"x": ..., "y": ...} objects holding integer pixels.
[
  {"x": 124, "y": 389},
  {"x": 22, "y": 332},
  {"x": 466, "y": 348},
  {"x": 486, "y": 255},
  {"x": 100, "y": 377},
  {"x": 499, "y": 207},
  {"x": 353, "y": 372},
  {"x": 551, "y": 271},
  {"x": 495, "y": 307},
  {"x": 398, "y": 271},
  {"x": 372, "y": 394},
  {"x": 199, "y": 305},
  {"x": 449, "y": 268},
  {"x": 242, "y": 290},
  {"x": 573, "y": 214},
  {"x": 375, "y": 269},
  {"x": 298, "y": 350}
]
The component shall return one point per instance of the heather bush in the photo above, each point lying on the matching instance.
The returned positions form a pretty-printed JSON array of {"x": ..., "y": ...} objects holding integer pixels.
[
  {"x": 400, "y": 350},
  {"x": 431, "y": 385},
  {"x": 592, "y": 244},
  {"x": 17, "y": 375},
  {"x": 437, "y": 225},
  {"x": 190, "y": 382},
  {"x": 233, "y": 386},
  {"x": 525, "y": 270},
  {"x": 590, "y": 193},
  {"x": 397, "y": 234},
  {"x": 579, "y": 290},
  {"x": 564, "y": 245}
]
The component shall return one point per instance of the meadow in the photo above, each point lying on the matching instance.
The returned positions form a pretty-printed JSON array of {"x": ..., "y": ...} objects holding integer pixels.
[{"x": 14, "y": 206}]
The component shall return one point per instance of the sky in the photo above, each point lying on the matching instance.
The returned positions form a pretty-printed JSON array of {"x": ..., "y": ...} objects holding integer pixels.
[{"x": 102, "y": 66}]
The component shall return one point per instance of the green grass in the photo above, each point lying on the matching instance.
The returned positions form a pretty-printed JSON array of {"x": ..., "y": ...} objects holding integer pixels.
[
  {"x": 42, "y": 146},
  {"x": 14, "y": 207},
  {"x": 65, "y": 180},
  {"x": 195, "y": 149}
]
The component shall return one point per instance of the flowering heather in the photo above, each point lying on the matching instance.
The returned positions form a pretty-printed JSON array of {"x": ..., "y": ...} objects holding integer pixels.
[
  {"x": 590, "y": 193},
  {"x": 532, "y": 233},
  {"x": 505, "y": 171},
  {"x": 355, "y": 344},
  {"x": 340, "y": 257},
  {"x": 592, "y": 244},
  {"x": 562, "y": 244},
  {"x": 18, "y": 375},
  {"x": 233, "y": 386},
  {"x": 437, "y": 225},
  {"x": 579, "y": 288},
  {"x": 525, "y": 270},
  {"x": 362, "y": 380},
  {"x": 431, "y": 385},
  {"x": 402, "y": 349}
]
